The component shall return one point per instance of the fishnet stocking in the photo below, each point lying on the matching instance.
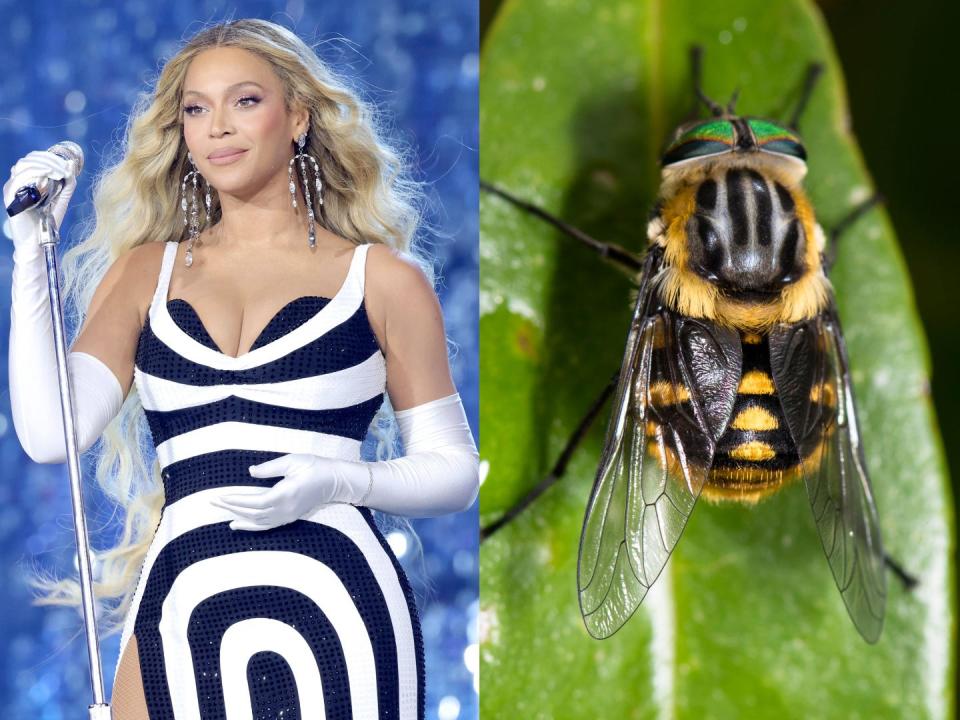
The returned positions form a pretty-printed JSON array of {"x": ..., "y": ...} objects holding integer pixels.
[{"x": 128, "y": 701}]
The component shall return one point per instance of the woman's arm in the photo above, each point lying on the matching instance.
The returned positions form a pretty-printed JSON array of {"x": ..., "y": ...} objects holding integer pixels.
[
  {"x": 99, "y": 363},
  {"x": 406, "y": 317},
  {"x": 439, "y": 472}
]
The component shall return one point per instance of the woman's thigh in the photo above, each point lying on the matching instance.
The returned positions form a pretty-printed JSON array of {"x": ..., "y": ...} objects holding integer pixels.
[{"x": 128, "y": 701}]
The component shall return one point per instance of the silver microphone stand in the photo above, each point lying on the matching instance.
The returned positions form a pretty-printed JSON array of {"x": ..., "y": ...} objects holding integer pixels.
[{"x": 49, "y": 238}]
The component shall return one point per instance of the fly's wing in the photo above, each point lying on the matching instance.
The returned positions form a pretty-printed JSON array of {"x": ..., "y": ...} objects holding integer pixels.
[
  {"x": 810, "y": 370},
  {"x": 673, "y": 400},
  {"x": 610, "y": 591}
]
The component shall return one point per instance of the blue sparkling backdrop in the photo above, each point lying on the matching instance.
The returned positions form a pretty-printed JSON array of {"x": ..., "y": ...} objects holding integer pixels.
[{"x": 71, "y": 70}]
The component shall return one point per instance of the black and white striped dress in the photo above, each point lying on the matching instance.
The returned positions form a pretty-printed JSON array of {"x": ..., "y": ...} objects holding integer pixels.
[{"x": 313, "y": 619}]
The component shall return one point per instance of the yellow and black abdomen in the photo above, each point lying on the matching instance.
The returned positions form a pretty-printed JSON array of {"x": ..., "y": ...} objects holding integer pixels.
[{"x": 756, "y": 453}]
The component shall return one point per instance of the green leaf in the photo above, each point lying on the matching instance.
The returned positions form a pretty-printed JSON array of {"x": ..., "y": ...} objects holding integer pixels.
[{"x": 577, "y": 99}]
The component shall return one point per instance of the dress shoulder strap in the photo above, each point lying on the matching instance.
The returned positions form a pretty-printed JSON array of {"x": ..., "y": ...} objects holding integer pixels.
[
  {"x": 166, "y": 270},
  {"x": 357, "y": 272}
]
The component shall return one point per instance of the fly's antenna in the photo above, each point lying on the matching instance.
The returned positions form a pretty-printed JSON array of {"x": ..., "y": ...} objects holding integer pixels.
[
  {"x": 733, "y": 101},
  {"x": 696, "y": 61},
  {"x": 814, "y": 70}
]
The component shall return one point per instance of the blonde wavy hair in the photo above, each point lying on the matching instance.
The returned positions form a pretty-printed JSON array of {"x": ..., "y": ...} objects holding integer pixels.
[{"x": 369, "y": 197}]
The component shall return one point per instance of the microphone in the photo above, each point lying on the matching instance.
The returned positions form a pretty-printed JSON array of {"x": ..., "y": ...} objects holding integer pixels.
[{"x": 46, "y": 189}]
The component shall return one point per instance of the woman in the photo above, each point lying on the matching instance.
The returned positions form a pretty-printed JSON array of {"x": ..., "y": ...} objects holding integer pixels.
[{"x": 258, "y": 298}]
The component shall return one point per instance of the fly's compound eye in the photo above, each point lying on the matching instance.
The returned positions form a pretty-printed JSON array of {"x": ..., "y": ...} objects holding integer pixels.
[
  {"x": 712, "y": 137},
  {"x": 776, "y": 139},
  {"x": 716, "y": 137}
]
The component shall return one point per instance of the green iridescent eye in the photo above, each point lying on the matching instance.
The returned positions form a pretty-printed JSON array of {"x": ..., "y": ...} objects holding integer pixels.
[
  {"x": 777, "y": 139},
  {"x": 708, "y": 138}
]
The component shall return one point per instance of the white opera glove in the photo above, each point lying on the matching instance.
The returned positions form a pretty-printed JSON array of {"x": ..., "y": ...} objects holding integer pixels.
[
  {"x": 438, "y": 475},
  {"x": 25, "y": 226},
  {"x": 309, "y": 481},
  {"x": 32, "y": 359}
]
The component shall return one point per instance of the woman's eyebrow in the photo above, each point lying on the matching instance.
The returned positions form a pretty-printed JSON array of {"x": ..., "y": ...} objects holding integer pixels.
[{"x": 227, "y": 90}]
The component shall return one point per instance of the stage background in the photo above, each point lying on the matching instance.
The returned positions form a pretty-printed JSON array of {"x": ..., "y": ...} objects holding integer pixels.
[{"x": 71, "y": 71}]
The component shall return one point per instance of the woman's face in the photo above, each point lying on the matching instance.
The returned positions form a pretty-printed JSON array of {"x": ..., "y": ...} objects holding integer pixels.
[{"x": 233, "y": 101}]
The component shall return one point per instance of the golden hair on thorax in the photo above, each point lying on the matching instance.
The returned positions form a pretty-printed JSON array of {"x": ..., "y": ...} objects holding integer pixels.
[{"x": 690, "y": 294}]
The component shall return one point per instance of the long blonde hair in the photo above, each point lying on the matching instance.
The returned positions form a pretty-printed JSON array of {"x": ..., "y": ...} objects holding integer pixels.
[{"x": 368, "y": 197}]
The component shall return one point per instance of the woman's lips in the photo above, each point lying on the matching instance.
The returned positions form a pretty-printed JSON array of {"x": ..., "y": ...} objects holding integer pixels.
[{"x": 227, "y": 159}]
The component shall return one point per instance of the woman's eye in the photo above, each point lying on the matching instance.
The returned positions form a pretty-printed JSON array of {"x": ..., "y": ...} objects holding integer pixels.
[{"x": 189, "y": 109}]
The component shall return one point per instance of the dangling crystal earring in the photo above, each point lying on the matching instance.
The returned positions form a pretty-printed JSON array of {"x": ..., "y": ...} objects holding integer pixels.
[
  {"x": 303, "y": 157},
  {"x": 194, "y": 214}
]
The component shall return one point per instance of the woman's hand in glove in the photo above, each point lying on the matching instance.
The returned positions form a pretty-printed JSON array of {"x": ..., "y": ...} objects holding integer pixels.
[
  {"x": 31, "y": 358},
  {"x": 33, "y": 167},
  {"x": 308, "y": 482}
]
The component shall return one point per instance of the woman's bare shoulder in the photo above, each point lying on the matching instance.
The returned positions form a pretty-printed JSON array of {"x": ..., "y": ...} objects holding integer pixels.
[
  {"x": 148, "y": 253},
  {"x": 392, "y": 273},
  {"x": 115, "y": 316},
  {"x": 137, "y": 270}
]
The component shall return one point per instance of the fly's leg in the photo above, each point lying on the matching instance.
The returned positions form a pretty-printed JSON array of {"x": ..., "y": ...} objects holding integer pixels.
[
  {"x": 699, "y": 96},
  {"x": 559, "y": 467},
  {"x": 908, "y": 581},
  {"x": 830, "y": 251},
  {"x": 622, "y": 258},
  {"x": 814, "y": 70}
]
